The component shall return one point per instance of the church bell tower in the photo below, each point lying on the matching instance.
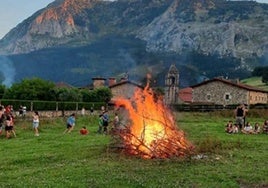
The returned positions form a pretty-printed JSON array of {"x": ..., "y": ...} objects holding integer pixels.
[{"x": 172, "y": 85}]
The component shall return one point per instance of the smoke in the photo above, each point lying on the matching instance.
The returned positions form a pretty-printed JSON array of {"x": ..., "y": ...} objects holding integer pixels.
[
  {"x": 128, "y": 64},
  {"x": 126, "y": 59},
  {"x": 7, "y": 71}
]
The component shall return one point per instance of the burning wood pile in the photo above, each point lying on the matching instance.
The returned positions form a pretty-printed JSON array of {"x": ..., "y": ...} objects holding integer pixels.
[{"x": 152, "y": 131}]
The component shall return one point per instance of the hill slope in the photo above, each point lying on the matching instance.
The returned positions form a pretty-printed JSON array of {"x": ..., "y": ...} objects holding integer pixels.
[{"x": 256, "y": 82}]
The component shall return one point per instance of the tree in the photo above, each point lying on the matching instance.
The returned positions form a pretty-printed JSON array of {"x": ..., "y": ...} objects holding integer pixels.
[
  {"x": 2, "y": 91},
  {"x": 259, "y": 71},
  {"x": 265, "y": 77},
  {"x": 68, "y": 94},
  {"x": 263, "y": 72},
  {"x": 97, "y": 95},
  {"x": 30, "y": 89},
  {"x": 103, "y": 94}
]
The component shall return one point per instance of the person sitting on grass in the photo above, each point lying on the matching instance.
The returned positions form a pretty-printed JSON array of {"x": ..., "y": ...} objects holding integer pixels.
[
  {"x": 265, "y": 127},
  {"x": 235, "y": 128},
  {"x": 70, "y": 123},
  {"x": 83, "y": 131},
  {"x": 257, "y": 128},
  {"x": 229, "y": 127},
  {"x": 248, "y": 129}
]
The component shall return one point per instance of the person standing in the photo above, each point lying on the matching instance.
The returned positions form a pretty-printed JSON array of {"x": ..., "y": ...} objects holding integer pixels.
[
  {"x": 70, "y": 123},
  {"x": 2, "y": 118},
  {"x": 9, "y": 126},
  {"x": 116, "y": 122},
  {"x": 240, "y": 113},
  {"x": 36, "y": 123},
  {"x": 100, "y": 123},
  {"x": 83, "y": 111},
  {"x": 91, "y": 110},
  {"x": 105, "y": 118}
]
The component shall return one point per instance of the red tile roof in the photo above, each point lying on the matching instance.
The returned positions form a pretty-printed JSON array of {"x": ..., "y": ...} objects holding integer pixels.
[
  {"x": 186, "y": 94},
  {"x": 63, "y": 85}
]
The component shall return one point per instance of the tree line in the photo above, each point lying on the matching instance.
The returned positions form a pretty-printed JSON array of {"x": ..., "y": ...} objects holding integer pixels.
[
  {"x": 43, "y": 90},
  {"x": 262, "y": 72}
]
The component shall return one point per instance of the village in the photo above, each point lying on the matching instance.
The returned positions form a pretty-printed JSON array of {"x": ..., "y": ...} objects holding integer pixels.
[{"x": 215, "y": 91}]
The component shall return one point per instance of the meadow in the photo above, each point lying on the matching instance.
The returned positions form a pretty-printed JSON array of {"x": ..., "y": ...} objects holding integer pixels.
[{"x": 55, "y": 159}]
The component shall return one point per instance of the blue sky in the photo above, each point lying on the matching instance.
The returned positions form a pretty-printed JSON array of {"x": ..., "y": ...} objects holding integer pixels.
[{"x": 12, "y": 12}]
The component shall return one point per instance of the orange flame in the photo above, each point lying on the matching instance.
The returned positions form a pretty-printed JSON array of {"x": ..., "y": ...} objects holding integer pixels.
[{"x": 153, "y": 132}]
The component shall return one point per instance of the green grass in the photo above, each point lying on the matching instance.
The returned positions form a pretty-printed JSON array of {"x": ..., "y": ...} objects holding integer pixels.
[
  {"x": 72, "y": 160},
  {"x": 256, "y": 82}
]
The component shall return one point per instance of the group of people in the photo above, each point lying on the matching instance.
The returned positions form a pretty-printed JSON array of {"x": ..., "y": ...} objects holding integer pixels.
[
  {"x": 247, "y": 128},
  {"x": 243, "y": 126},
  {"x": 103, "y": 123},
  {"x": 7, "y": 121}
]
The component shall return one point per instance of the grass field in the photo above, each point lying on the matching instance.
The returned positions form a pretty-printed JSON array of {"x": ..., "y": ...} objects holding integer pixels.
[
  {"x": 72, "y": 160},
  {"x": 256, "y": 82}
]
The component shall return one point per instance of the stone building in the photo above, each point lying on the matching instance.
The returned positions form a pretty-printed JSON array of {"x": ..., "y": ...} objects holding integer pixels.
[
  {"x": 98, "y": 82},
  {"x": 172, "y": 85},
  {"x": 124, "y": 88},
  {"x": 225, "y": 92}
]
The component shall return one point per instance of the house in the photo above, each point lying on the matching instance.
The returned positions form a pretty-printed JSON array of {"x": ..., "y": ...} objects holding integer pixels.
[
  {"x": 185, "y": 95},
  {"x": 63, "y": 85},
  {"x": 124, "y": 88},
  {"x": 225, "y": 92}
]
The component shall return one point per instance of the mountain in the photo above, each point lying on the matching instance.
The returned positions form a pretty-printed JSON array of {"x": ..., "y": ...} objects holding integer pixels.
[{"x": 75, "y": 40}]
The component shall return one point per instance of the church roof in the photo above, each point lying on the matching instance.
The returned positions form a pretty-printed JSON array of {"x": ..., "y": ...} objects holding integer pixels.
[{"x": 173, "y": 69}]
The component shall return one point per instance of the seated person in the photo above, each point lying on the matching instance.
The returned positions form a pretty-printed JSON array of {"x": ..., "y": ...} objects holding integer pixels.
[
  {"x": 265, "y": 127},
  {"x": 229, "y": 127},
  {"x": 248, "y": 129},
  {"x": 83, "y": 131},
  {"x": 235, "y": 128},
  {"x": 257, "y": 128}
]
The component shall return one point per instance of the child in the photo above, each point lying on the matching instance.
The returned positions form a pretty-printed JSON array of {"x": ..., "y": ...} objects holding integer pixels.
[
  {"x": 9, "y": 127},
  {"x": 257, "y": 128},
  {"x": 229, "y": 127},
  {"x": 70, "y": 123},
  {"x": 235, "y": 128},
  {"x": 265, "y": 126},
  {"x": 248, "y": 129},
  {"x": 105, "y": 119},
  {"x": 36, "y": 123},
  {"x": 100, "y": 124},
  {"x": 83, "y": 131}
]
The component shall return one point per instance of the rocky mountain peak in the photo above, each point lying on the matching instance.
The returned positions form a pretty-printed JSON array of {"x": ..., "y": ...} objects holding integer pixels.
[
  {"x": 92, "y": 35},
  {"x": 65, "y": 11},
  {"x": 58, "y": 20}
]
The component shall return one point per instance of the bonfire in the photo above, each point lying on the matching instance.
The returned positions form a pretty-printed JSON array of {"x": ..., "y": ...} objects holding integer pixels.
[{"x": 152, "y": 131}]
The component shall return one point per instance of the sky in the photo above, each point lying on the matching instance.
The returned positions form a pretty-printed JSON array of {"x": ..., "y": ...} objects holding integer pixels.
[{"x": 13, "y": 12}]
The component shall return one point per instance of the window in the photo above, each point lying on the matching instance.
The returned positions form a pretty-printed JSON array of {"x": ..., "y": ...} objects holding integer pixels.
[
  {"x": 227, "y": 96},
  {"x": 208, "y": 97}
]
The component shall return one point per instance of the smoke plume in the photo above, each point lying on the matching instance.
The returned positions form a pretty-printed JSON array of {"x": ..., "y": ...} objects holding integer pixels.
[{"x": 7, "y": 70}]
